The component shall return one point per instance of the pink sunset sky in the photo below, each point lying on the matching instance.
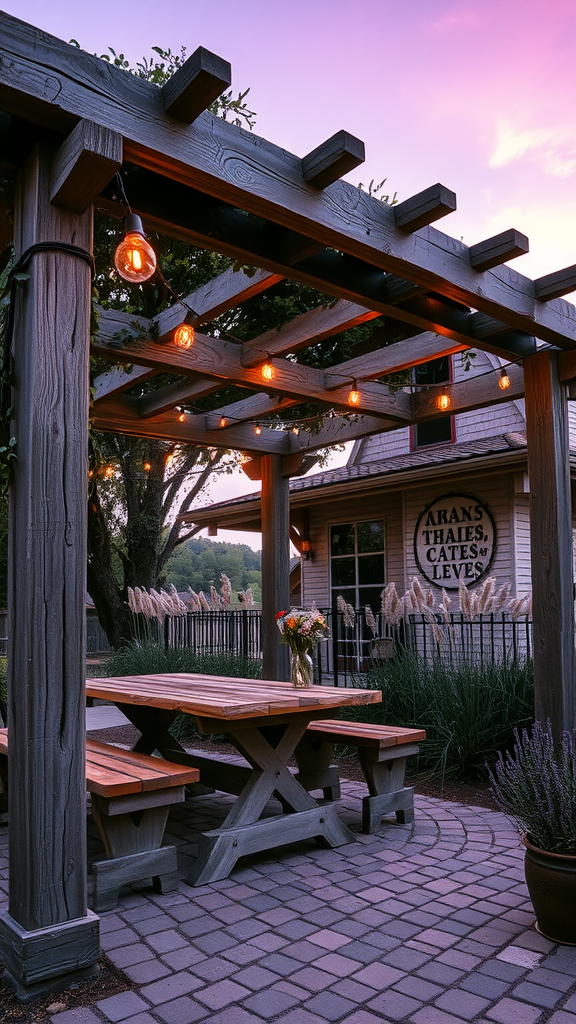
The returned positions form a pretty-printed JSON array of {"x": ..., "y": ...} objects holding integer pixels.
[{"x": 478, "y": 95}]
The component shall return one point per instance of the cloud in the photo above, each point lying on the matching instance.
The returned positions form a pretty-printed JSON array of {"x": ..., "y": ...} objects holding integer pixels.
[
  {"x": 552, "y": 148},
  {"x": 457, "y": 19}
]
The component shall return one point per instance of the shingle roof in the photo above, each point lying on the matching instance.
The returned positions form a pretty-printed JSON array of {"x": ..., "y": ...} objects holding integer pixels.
[{"x": 431, "y": 456}]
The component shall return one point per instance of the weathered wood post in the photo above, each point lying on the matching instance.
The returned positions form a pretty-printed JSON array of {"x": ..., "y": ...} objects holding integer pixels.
[
  {"x": 48, "y": 937},
  {"x": 275, "y": 565},
  {"x": 550, "y": 541}
]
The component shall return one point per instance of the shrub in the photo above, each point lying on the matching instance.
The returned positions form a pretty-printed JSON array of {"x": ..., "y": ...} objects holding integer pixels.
[
  {"x": 154, "y": 659},
  {"x": 469, "y": 712},
  {"x": 536, "y": 786}
]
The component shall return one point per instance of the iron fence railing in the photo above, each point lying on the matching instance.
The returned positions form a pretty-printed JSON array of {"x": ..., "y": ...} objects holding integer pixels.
[{"x": 352, "y": 648}]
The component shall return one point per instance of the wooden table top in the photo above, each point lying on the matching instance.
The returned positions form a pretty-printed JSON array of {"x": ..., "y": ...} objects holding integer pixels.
[{"x": 224, "y": 697}]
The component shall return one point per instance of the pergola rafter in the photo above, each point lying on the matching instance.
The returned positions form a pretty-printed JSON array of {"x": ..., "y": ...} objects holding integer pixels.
[{"x": 215, "y": 185}]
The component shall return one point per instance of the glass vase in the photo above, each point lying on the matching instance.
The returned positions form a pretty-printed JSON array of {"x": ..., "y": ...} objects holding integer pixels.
[{"x": 301, "y": 670}]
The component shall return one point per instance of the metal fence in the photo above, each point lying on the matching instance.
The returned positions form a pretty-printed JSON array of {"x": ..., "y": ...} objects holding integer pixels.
[{"x": 352, "y": 648}]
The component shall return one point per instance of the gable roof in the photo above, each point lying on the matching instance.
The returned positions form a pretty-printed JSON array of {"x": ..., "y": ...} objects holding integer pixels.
[{"x": 494, "y": 452}]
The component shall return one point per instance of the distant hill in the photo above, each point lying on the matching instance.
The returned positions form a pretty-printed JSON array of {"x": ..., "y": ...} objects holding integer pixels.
[{"x": 199, "y": 563}]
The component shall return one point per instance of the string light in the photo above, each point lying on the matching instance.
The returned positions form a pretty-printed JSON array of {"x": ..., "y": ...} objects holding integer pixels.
[
  {"x": 504, "y": 381},
  {"x": 257, "y": 429},
  {"x": 182, "y": 417},
  {"x": 443, "y": 402},
  {"x": 354, "y": 395},
  {"x": 109, "y": 472},
  {"x": 267, "y": 372},
  {"x": 184, "y": 336},
  {"x": 146, "y": 467},
  {"x": 222, "y": 421},
  {"x": 296, "y": 430},
  {"x": 134, "y": 259}
]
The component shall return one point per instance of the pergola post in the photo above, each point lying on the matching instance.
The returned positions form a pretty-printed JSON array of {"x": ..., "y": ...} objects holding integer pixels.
[
  {"x": 48, "y": 937},
  {"x": 275, "y": 565},
  {"x": 550, "y": 541}
]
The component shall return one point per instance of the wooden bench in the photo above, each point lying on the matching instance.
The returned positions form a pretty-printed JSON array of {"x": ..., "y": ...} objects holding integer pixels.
[
  {"x": 382, "y": 750},
  {"x": 131, "y": 797}
]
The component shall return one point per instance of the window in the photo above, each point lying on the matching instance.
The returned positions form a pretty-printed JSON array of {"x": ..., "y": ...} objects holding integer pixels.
[
  {"x": 437, "y": 371},
  {"x": 357, "y": 563}
]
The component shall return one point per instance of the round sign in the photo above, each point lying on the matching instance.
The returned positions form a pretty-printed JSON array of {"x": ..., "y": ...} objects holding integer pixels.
[{"x": 454, "y": 541}]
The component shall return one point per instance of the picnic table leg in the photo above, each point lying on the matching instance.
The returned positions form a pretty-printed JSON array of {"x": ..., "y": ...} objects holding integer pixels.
[
  {"x": 315, "y": 768},
  {"x": 132, "y": 828},
  {"x": 243, "y": 832},
  {"x": 384, "y": 771}
]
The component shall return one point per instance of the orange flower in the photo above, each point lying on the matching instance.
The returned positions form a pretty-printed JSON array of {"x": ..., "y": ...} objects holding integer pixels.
[{"x": 290, "y": 623}]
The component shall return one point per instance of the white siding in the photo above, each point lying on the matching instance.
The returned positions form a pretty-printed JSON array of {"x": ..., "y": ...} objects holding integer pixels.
[
  {"x": 316, "y": 573},
  {"x": 400, "y": 513},
  {"x": 572, "y": 423},
  {"x": 492, "y": 491}
]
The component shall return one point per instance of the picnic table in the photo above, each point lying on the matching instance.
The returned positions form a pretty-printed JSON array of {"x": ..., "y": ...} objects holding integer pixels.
[{"x": 265, "y": 720}]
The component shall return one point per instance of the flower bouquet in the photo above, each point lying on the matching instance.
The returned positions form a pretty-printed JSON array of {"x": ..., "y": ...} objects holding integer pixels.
[{"x": 302, "y": 630}]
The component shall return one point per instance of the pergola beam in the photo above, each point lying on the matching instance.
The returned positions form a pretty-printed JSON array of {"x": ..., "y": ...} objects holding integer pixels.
[
  {"x": 212, "y": 224},
  {"x": 120, "y": 415},
  {"x": 221, "y": 360},
  {"x": 195, "y": 85},
  {"x": 332, "y": 159},
  {"x": 424, "y": 208},
  {"x": 83, "y": 165},
  {"x": 270, "y": 183}
]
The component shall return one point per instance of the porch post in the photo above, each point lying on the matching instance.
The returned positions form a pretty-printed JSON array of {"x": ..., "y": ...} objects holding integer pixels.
[
  {"x": 48, "y": 938},
  {"x": 550, "y": 541},
  {"x": 275, "y": 565}
]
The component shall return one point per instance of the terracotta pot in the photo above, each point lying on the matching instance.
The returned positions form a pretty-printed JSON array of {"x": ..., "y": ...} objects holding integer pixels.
[{"x": 551, "y": 881}]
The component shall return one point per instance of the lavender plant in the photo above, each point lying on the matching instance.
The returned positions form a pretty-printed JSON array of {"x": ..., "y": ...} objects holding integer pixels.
[{"x": 536, "y": 787}]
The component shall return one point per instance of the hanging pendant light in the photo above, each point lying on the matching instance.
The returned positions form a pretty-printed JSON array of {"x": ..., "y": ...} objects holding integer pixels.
[
  {"x": 443, "y": 401},
  {"x": 134, "y": 259},
  {"x": 504, "y": 381}
]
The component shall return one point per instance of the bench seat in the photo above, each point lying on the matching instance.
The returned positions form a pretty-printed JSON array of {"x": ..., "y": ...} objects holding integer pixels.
[
  {"x": 382, "y": 751},
  {"x": 131, "y": 797}
]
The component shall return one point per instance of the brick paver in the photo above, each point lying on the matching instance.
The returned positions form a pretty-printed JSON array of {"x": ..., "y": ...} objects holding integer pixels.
[{"x": 427, "y": 923}]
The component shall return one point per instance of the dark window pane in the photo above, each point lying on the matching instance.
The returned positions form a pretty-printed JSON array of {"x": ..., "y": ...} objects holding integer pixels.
[
  {"x": 348, "y": 595},
  {"x": 433, "y": 432},
  {"x": 371, "y": 569},
  {"x": 370, "y": 536},
  {"x": 342, "y": 539},
  {"x": 371, "y": 596},
  {"x": 343, "y": 574},
  {"x": 437, "y": 371}
]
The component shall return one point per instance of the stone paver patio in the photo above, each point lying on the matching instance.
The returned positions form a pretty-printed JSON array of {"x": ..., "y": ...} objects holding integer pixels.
[{"x": 427, "y": 923}]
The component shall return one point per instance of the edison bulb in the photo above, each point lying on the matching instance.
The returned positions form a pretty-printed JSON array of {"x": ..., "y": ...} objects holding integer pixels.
[
  {"x": 504, "y": 381},
  {"x": 184, "y": 336},
  {"x": 443, "y": 402},
  {"x": 354, "y": 397},
  {"x": 134, "y": 259},
  {"x": 267, "y": 371}
]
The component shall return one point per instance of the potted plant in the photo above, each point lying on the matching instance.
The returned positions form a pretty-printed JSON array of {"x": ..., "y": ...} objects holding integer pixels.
[{"x": 536, "y": 786}]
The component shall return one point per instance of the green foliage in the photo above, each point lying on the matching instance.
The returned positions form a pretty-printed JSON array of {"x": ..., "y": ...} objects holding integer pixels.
[
  {"x": 155, "y": 659},
  {"x": 468, "y": 711},
  {"x": 536, "y": 786},
  {"x": 199, "y": 564}
]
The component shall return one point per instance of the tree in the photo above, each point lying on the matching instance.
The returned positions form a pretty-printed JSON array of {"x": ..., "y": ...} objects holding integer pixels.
[{"x": 138, "y": 486}]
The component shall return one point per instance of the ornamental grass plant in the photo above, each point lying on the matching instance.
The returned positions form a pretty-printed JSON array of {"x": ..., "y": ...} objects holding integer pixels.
[
  {"x": 536, "y": 787},
  {"x": 469, "y": 711}
]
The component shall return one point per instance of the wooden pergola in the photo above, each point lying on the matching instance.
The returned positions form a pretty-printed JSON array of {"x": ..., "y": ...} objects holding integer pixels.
[{"x": 69, "y": 122}]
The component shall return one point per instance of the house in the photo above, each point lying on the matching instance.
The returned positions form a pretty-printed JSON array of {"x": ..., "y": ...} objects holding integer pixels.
[{"x": 444, "y": 501}]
